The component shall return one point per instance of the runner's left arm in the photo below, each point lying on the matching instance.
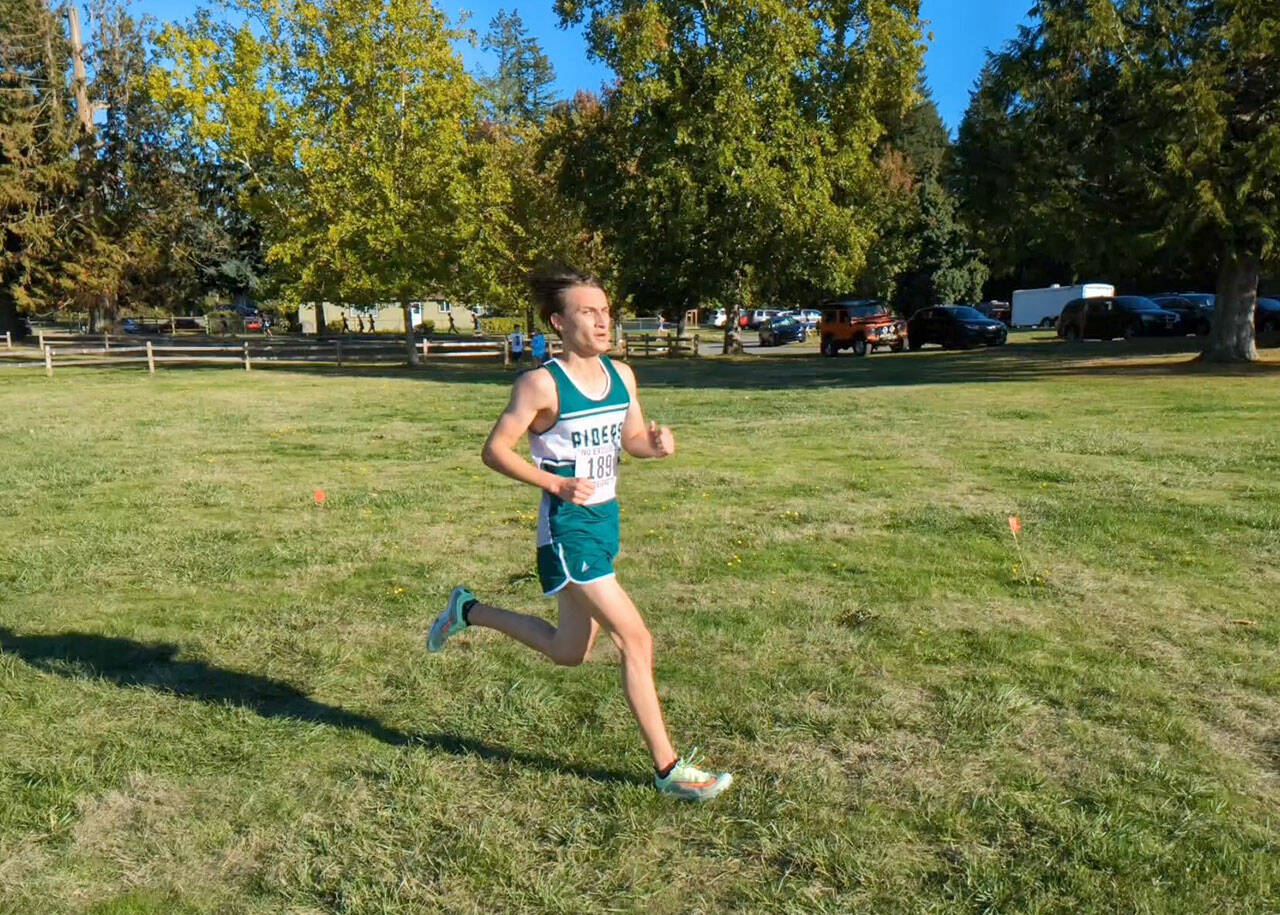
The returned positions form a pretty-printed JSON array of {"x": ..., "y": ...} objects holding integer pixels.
[{"x": 653, "y": 441}]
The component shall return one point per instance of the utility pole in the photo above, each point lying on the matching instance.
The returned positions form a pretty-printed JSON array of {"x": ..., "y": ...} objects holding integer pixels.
[{"x": 83, "y": 109}]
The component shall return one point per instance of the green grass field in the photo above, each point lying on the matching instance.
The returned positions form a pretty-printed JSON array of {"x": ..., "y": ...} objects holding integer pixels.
[{"x": 214, "y": 695}]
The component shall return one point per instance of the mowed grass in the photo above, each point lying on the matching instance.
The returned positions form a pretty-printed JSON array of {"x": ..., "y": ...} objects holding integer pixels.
[{"x": 214, "y": 695}]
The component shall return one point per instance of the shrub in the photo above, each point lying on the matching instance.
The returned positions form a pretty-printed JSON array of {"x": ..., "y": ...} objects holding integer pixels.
[
  {"x": 223, "y": 321},
  {"x": 500, "y": 326}
]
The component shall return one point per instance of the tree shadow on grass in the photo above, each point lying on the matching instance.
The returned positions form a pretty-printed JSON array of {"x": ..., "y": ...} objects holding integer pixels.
[
  {"x": 1031, "y": 361},
  {"x": 155, "y": 666},
  {"x": 1040, "y": 358}
]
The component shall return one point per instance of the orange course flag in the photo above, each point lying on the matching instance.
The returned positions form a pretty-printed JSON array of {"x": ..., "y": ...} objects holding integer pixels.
[
  {"x": 319, "y": 497},
  {"x": 1015, "y": 525}
]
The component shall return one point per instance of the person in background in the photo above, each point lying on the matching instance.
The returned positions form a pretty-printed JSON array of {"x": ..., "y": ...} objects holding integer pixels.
[{"x": 538, "y": 347}]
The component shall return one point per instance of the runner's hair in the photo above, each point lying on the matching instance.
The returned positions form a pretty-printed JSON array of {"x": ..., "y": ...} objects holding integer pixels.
[{"x": 550, "y": 284}]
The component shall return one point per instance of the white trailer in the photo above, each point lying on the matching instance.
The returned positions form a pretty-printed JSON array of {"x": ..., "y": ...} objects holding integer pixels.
[{"x": 1041, "y": 307}]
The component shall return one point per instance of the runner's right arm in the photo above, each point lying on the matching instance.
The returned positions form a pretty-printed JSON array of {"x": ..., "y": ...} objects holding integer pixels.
[{"x": 533, "y": 393}]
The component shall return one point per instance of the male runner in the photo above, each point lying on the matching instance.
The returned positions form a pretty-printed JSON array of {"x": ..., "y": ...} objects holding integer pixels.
[{"x": 580, "y": 412}]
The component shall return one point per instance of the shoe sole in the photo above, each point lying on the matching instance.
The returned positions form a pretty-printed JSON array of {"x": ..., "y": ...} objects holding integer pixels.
[{"x": 709, "y": 794}]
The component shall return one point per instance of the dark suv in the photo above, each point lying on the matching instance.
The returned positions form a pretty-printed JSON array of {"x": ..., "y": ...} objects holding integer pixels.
[
  {"x": 1107, "y": 317},
  {"x": 955, "y": 326},
  {"x": 1195, "y": 313},
  {"x": 1266, "y": 316}
]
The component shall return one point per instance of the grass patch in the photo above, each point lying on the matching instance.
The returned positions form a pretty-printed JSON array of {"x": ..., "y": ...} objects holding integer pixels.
[{"x": 215, "y": 699}]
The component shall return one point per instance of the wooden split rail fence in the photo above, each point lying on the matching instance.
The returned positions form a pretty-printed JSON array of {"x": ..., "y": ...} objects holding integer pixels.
[
  {"x": 63, "y": 350},
  {"x": 660, "y": 345}
]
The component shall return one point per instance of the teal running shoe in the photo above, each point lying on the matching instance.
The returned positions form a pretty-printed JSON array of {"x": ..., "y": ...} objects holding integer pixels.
[
  {"x": 450, "y": 621},
  {"x": 689, "y": 783}
]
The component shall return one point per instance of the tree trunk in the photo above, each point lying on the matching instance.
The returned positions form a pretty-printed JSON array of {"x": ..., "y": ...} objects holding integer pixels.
[
  {"x": 411, "y": 345},
  {"x": 321, "y": 328},
  {"x": 733, "y": 331},
  {"x": 1231, "y": 336},
  {"x": 9, "y": 318}
]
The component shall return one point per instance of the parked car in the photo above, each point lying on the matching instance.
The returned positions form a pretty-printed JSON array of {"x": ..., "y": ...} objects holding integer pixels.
[
  {"x": 954, "y": 327},
  {"x": 1207, "y": 299},
  {"x": 999, "y": 311},
  {"x": 134, "y": 326},
  {"x": 810, "y": 317},
  {"x": 253, "y": 319},
  {"x": 759, "y": 316},
  {"x": 718, "y": 318},
  {"x": 1266, "y": 316},
  {"x": 783, "y": 329},
  {"x": 1107, "y": 317},
  {"x": 860, "y": 324},
  {"x": 1194, "y": 317}
]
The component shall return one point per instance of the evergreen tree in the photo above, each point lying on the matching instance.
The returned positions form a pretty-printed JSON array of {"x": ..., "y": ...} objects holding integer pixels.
[
  {"x": 1119, "y": 137},
  {"x": 37, "y": 135},
  {"x": 520, "y": 88},
  {"x": 924, "y": 255}
]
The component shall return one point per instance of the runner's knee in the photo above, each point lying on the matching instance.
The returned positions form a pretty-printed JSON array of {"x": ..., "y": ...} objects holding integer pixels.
[
  {"x": 564, "y": 657},
  {"x": 634, "y": 642},
  {"x": 565, "y": 653}
]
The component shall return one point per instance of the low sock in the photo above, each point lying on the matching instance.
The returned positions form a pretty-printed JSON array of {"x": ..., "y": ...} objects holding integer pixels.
[
  {"x": 466, "y": 610},
  {"x": 663, "y": 773}
]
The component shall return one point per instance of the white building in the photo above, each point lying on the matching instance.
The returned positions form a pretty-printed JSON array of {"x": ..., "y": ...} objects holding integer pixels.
[{"x": 389, "y": 318}]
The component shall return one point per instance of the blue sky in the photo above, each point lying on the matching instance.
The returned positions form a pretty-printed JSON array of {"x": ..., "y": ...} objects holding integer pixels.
[{"x": 963, "y": 31}]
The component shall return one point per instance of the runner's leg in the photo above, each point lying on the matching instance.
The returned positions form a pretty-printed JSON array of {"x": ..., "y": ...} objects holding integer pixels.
[
  {"x": 567, "y": 644},
  {"x": 612, "y": 607}
]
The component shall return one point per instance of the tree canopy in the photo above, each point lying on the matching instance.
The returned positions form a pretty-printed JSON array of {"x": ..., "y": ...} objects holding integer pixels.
[
  {"x": 351, "y": 118},
  {"x": 735, "y": 160},
  {"x": 519, "y": 89},
  {"x": 1121, "y": 138}
]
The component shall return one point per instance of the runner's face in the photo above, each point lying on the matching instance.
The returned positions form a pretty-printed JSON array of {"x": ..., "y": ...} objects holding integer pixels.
[{"x": 583, "y": 323}]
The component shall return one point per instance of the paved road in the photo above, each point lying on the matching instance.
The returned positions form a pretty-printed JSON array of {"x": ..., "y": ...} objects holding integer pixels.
[{"x": 712, "y": 344}]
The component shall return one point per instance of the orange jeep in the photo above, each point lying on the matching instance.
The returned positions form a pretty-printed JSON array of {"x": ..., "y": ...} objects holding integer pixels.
[{"x": 862, "y": 324}]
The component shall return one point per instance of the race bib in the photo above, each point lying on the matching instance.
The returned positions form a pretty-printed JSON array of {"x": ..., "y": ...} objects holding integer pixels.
[{"x": 599, "y": 464}]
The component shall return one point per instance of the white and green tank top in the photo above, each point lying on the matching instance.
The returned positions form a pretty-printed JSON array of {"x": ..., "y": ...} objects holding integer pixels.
[{"x": 585, "y": 441}]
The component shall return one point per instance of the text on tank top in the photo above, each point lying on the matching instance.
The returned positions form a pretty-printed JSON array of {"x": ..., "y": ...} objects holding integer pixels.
[{"x": 587, "y": 433}]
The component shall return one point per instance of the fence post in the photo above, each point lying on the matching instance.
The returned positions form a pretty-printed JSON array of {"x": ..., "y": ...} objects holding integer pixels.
[
  {"x": 173, "y": 324},
  {"x": 151, "y": 359},
  {"x": 48, "y": 361},
  {"x": 426, "y": 347},
  {"x": 246, "y": 355},
  {"x": 8, "y": 340},
  {"x": 40, "y": 339},
  {"x": 106, "y": 343},
  {"x": 338, "y": 345},
  {"x": 697, "y": 344},
  {"x": 506, "y": 352}
]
